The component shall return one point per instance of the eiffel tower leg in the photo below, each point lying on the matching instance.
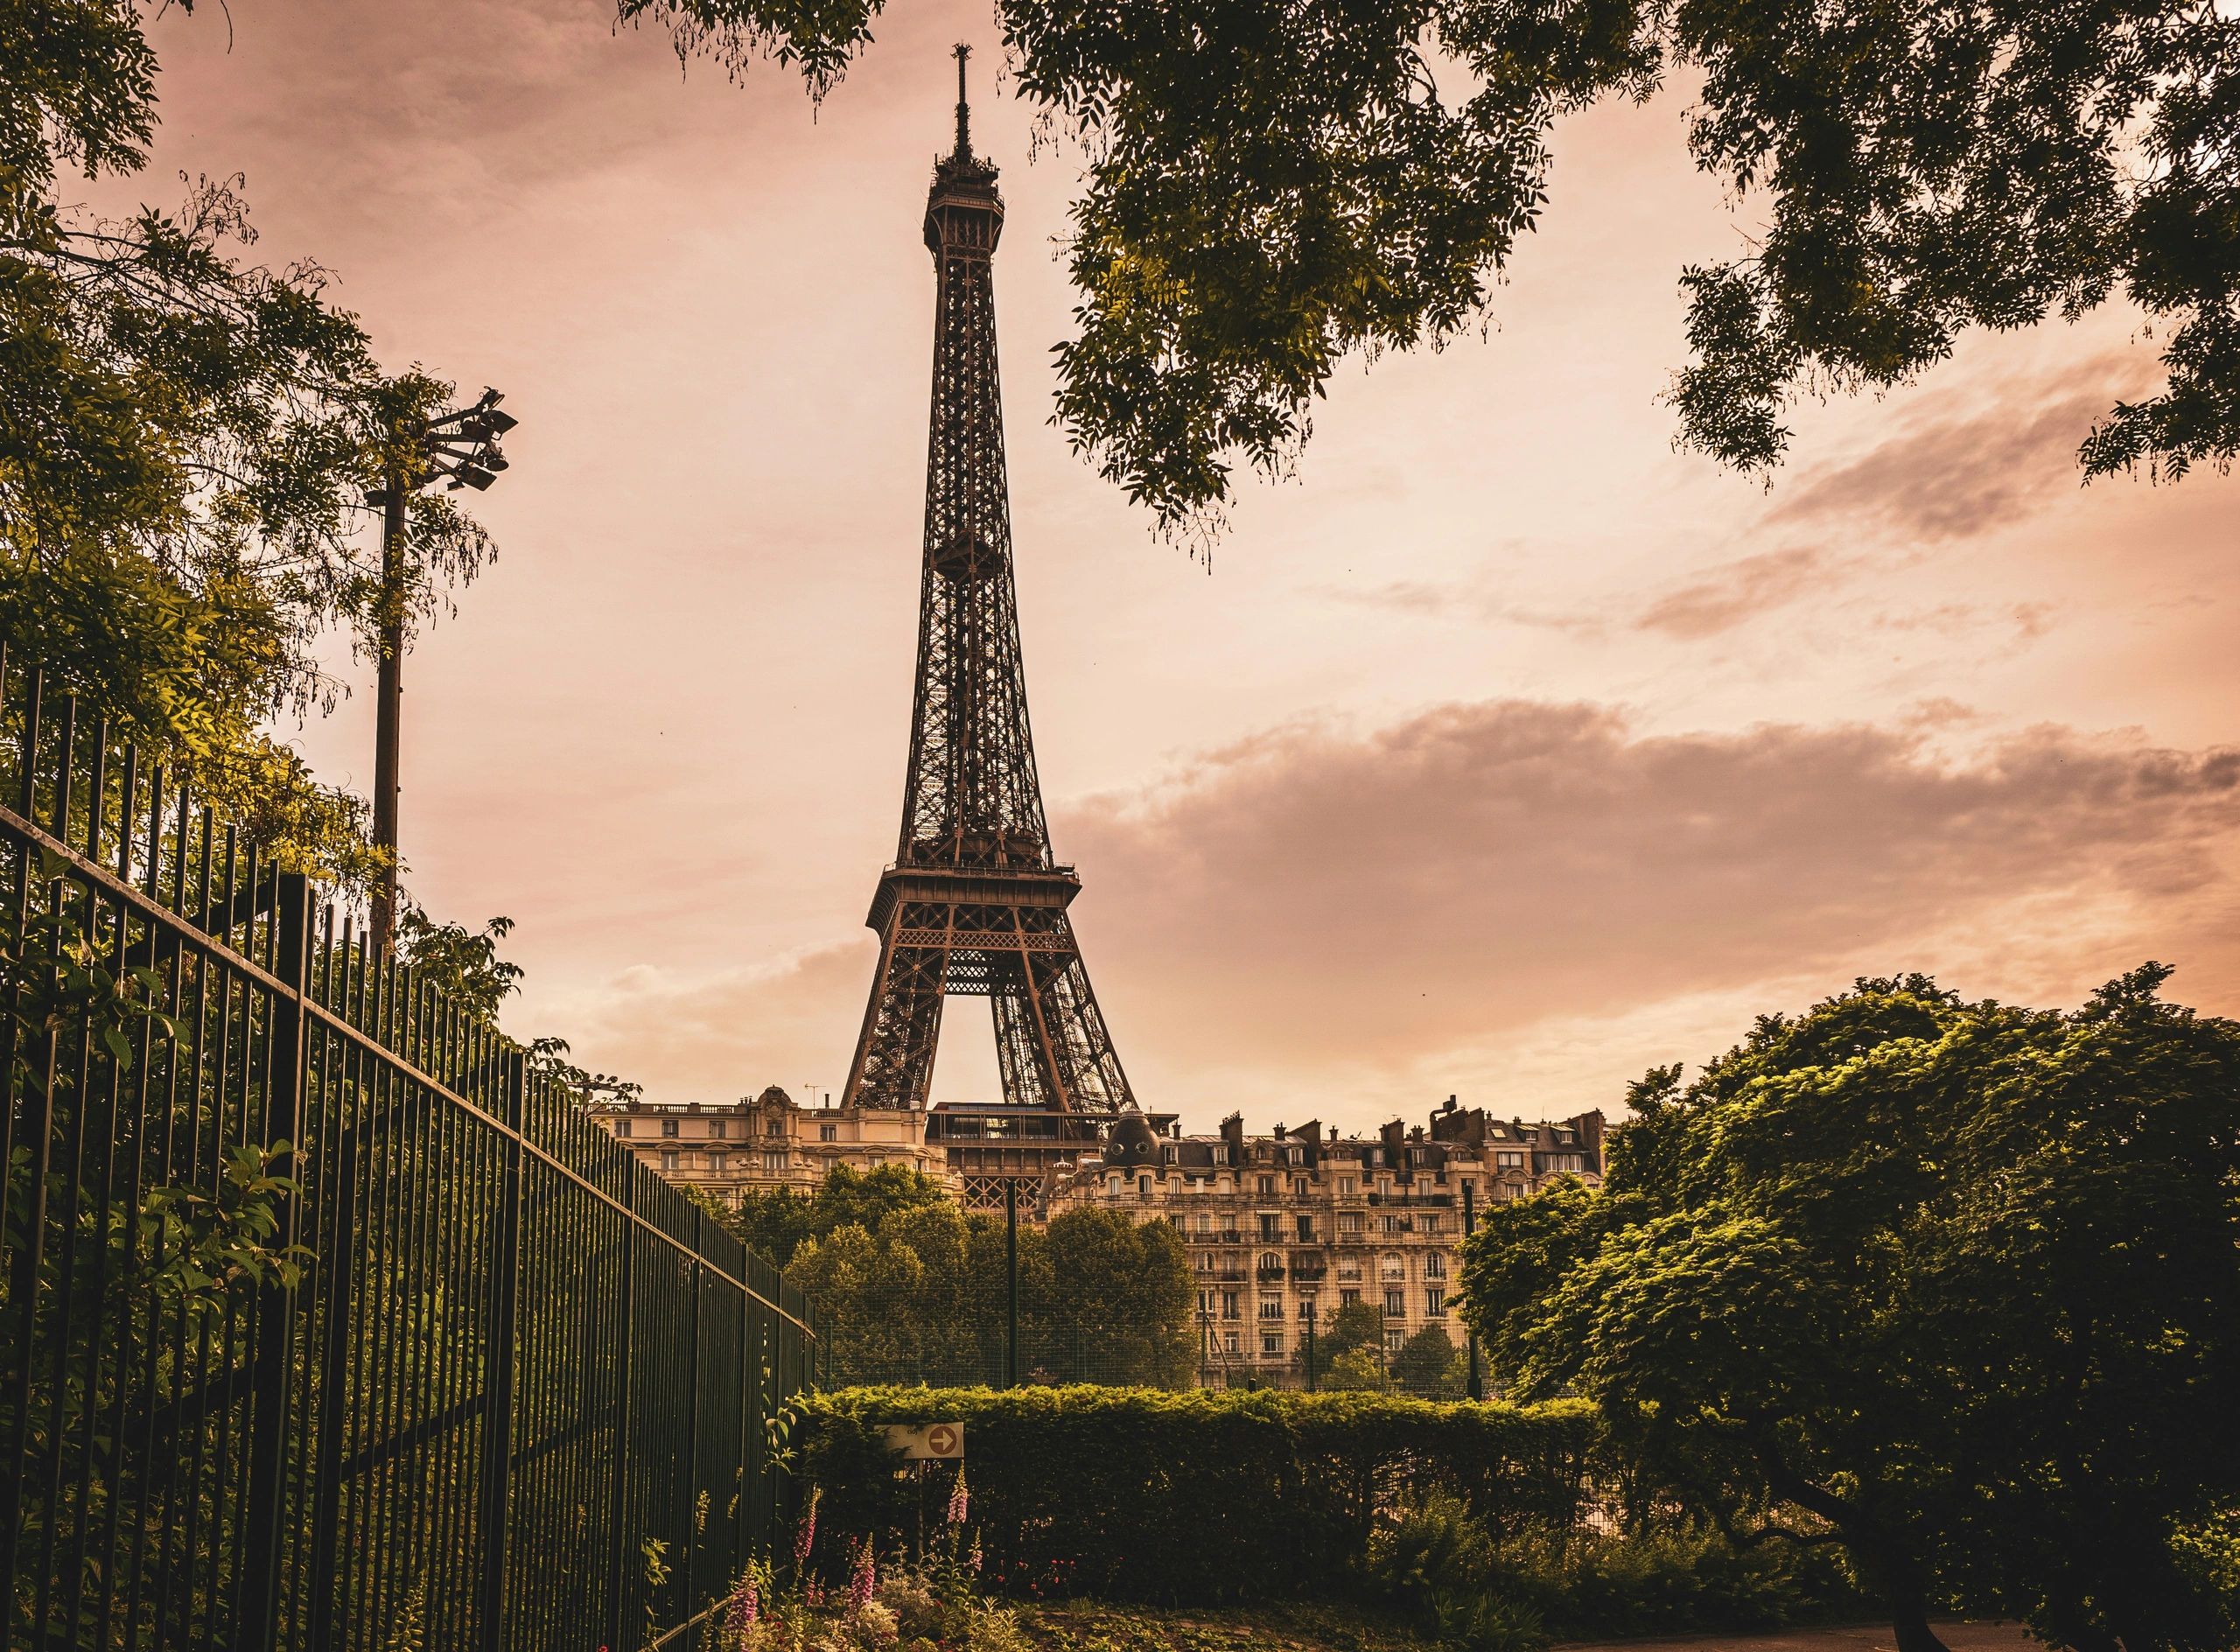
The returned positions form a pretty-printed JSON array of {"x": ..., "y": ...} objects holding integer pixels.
[
  {"x": 902, "y": 1024},
  {"x": 1057, "y": 1019}
]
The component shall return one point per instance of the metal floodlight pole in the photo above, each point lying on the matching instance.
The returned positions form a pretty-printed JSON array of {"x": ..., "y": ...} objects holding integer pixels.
[
  {"x": 1310, "y": 1356},
  {"x": 1477, "y": 1382},
  {"x": 1011, "y": 1271},
  {"x": 459, "y": 448}
]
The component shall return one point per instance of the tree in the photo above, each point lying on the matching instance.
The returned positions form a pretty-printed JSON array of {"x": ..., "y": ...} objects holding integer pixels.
[
  {"x": 185, "y": 441},
  {"x": 1428, "y": 1364},
  {"x": 913, "y": 1289},
  {"x": 776, "y": 1220},
  {"x": 1950, "y": 1283},
  {"x": 1274, "y": 185}
]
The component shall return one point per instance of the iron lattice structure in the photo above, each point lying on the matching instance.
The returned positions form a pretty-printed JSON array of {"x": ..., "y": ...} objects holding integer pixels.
[{"x": 975, "y": 903}]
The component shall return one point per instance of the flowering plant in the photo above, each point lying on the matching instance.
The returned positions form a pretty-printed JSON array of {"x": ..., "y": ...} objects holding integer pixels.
[{"x": 889, "y": 1603}]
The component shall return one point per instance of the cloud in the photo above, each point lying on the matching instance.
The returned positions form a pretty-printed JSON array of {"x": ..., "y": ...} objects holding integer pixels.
[
  {"x": 1954, "y": 471},
  {"x": 1321, "y": 903},
  {"x": 1736, "y": 592}
]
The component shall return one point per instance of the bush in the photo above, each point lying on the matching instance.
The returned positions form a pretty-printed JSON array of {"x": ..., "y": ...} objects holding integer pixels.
[
  {"x": 1198, "y": 1498},
  {"x": 1674, "y": 1582},
  {"x": 1437, "y": 1563}
]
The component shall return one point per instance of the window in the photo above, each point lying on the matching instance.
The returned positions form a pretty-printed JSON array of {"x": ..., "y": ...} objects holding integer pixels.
[
  {"x": 1267, "y": 1186},
  {"x": 774, "y": 1161},
  {"x": 1389, "y": 1224},
  {"x": 1347, "y": 1187},
  {"x": 1469, "y": 1184},
  {"x": 1306, "y": 1230},
  {"x": 668, "y": 1127},
  {"x": 1271, "y": 1345},
  {"x": 1144, "y": 1188},
  {"x": 1205, "y": 1222},
  {"x": 1204, "y": 1262},
  {"x": 773, "y": 1126},
  {"x": 1229, "y": 1305},
  {"x": 1306, "y": 1309},
  {"x": 827, "y": 1132},
  {"x": 1228, "y": 1342},
  {"x": 1561, "y": 1162},
  {"x": 1272, "y": 1307},
  {"x": 1206, "y": 1303},
  {"x": 1430, "y": 1222},
  {"x": 1509, "y": 1161},
  {"x": 1346, "y": 1298},
  {"x": 716, "y": 1163},
  {"x": 1112, "y": 1185},
  {"x": 669, "y": 1161},
  {"x": 1349, "y": 1267},
  {"x": 1393, "y": 1341},
  {"x": 1298, "y": 1187},
  {"x": 1349, "y": 1221},
  {"x": 1435, "y": 1265},
  {"x": 1434, "y": 1301},
  {"x": 1268, "y": 1220},
  {"x": 717, "y": 1128},
  {"x": 622, "y": 1127},
  {"x": 1394, "y": 1303},
  {"x": 1395, "y": 1266}
]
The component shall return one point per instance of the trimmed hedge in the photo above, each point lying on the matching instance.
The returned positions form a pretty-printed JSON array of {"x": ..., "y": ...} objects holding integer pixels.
[{"x": 1196, "y": 1498}]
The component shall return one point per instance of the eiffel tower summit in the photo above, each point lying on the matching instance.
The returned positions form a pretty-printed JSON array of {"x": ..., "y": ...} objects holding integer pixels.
[{"x": 974, "y": 901}]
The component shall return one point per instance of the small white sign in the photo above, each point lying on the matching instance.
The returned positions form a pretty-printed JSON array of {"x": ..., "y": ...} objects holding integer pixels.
[{"x": 927, "y": 1442}]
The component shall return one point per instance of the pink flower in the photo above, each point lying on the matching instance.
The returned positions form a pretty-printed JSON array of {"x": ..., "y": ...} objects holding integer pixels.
[
  {"x": 863, "y": 1584},
  {"x": 807, "y": 1535},
  {"x": 960, "y": 1499},
  {"x": 746, "y": 1606}
]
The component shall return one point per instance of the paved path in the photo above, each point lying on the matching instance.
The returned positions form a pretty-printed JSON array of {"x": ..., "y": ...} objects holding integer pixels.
[{"x": 1960, "y": 1637}]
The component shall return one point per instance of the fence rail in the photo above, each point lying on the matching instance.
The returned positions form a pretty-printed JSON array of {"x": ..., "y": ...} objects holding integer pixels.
[{"x": 329, "y": 1320}]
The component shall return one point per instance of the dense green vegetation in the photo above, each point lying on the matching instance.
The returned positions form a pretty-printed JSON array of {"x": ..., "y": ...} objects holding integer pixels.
[
  {"x": 1484, "y": 1526},
  {"x": 1956, "y": 1284},
  {"x": 912, "y": 1289}
]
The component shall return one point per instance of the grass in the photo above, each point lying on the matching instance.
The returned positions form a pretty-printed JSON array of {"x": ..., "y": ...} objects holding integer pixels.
[{"x": 1084, "y": 1625}]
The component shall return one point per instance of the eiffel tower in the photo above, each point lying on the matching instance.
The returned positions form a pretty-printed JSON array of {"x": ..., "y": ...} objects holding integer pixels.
[{"x": 974, "y": 902}]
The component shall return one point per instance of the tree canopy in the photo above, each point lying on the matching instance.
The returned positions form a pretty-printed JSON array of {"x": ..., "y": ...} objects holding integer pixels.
[
  {"x": 1276, "y": 185},
  {"x": 912, "y": 1287},
  {"x": 187, "y": 439},
  {"x": 1954, "y": 1284}
]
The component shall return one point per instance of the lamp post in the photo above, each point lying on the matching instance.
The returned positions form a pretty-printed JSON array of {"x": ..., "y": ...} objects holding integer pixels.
[{"x": 459, "y": 448}]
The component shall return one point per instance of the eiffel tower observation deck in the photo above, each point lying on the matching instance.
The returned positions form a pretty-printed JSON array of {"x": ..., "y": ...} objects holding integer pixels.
[{"x": 974, "y": 902}]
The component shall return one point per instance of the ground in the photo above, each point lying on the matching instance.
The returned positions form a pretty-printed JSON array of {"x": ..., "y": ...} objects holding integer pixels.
[{"x": 1083, "y": 1627}]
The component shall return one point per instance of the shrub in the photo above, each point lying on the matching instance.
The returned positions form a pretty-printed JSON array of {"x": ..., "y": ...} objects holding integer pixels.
[
  {"x": 1198, "y": 1498},
  {"x": 1437, "y": 1563}
]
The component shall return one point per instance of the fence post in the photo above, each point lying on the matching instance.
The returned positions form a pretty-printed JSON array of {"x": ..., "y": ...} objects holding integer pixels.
[
  {"x": 257, "y": 1627},
  {"x": 498, "y": 1364},
  {"x": 618, "y": 1504}
]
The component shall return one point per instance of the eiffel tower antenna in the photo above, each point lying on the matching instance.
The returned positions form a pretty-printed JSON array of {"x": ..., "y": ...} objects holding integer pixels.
[
  {"x": 974, "y": 902},
  {"x": 963, "y": 109}
]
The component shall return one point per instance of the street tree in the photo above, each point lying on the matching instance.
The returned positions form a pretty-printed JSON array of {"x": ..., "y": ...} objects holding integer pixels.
[
  {"x": 1951, "y": 1284},
  {"x": 1274, "y": 187}
]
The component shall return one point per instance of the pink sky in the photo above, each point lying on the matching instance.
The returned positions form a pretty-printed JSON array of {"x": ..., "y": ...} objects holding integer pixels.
[{"x": 1502, "y": 752}]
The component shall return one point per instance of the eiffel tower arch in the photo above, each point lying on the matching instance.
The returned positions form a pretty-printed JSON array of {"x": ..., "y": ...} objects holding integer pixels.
[{"x": 974, "y": 901}]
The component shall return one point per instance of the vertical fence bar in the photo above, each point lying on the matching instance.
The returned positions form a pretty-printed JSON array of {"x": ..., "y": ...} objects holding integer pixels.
[
  {"x": 498, "y": 1367},
  {"x": 257, "y": 1622}
]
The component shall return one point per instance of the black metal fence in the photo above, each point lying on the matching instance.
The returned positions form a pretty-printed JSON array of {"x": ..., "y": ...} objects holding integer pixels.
[{"x": 328, "y": 1321}]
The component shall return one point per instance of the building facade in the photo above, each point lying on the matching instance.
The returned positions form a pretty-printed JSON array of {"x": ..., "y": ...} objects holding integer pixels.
[
  {"x": 771, "y": 1141},
  {"x": 1285, "y": 1228}
]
